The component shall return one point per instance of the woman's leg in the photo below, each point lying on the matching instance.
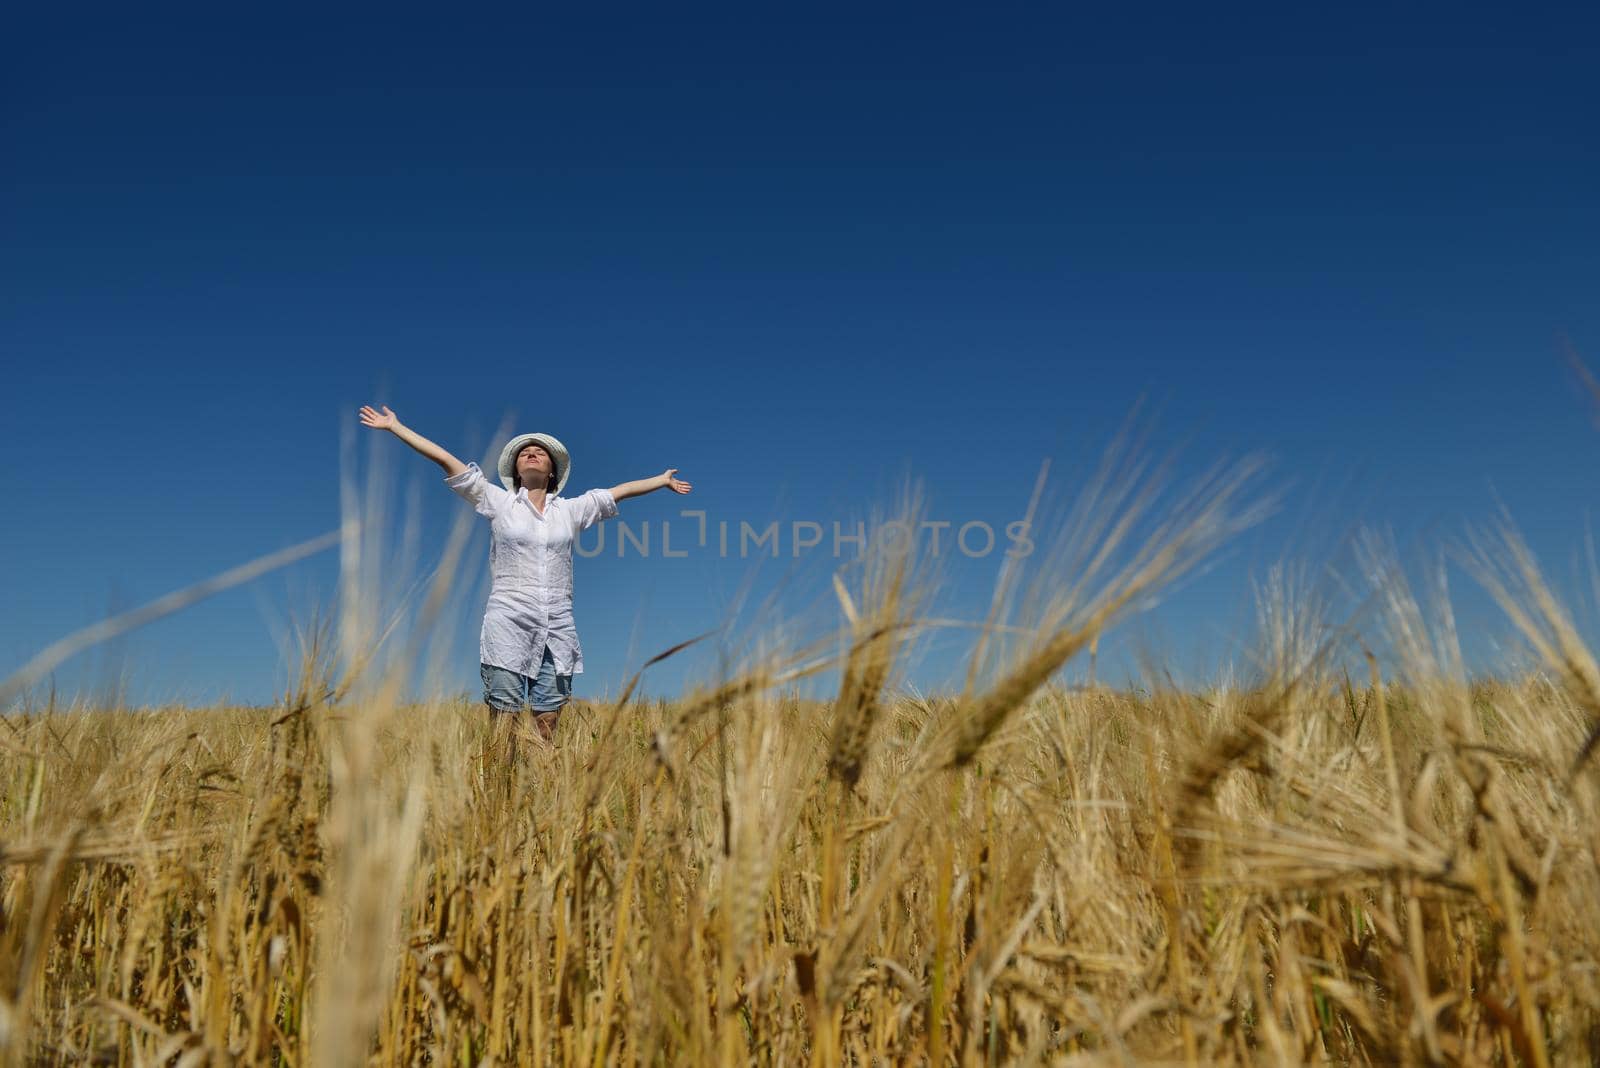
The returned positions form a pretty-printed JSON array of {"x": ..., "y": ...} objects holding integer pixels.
[
  {"x": 549, "y": 695},
  {"x": 505, "y": 693}
]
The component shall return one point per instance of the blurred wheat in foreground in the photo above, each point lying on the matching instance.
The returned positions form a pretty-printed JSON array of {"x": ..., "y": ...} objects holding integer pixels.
[
  {"x": 1097, "y": 885},
  {"x": 1400, "y": 867}
]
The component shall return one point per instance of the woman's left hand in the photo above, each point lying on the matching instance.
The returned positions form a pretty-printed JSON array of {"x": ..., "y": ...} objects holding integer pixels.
[{"x": 673, "y": 483}]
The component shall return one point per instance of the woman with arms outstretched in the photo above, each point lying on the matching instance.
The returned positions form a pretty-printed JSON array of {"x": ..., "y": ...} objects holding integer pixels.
[{"x": 528, "y": 650}]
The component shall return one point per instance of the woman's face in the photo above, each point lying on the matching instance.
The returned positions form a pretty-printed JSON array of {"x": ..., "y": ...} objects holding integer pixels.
[{"x": 533, "y": 464}]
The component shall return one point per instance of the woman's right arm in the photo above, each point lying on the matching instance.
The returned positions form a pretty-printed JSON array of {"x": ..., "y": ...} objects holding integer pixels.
[{"x": 387, "y": 420}]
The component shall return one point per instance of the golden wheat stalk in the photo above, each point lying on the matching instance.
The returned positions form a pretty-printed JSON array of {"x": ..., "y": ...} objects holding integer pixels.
[{"x": 56, "y": 653}]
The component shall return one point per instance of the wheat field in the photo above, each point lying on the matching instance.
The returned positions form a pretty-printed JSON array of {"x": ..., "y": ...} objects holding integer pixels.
[{"x": 1396, "y": 864}]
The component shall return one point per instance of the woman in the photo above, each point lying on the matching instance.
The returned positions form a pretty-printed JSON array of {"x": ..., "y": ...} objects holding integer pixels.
[{"x": 528, "y": 650}]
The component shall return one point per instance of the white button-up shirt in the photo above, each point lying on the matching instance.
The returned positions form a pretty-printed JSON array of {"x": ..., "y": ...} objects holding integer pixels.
[{"x": 530, "y": 571}]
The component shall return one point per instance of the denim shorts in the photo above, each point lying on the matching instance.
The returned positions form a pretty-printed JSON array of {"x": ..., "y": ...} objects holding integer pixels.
[{"x": 507, "y": 691}]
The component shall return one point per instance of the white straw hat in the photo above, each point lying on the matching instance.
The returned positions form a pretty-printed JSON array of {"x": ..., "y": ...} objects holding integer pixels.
[{"x": 558, "y": 457}]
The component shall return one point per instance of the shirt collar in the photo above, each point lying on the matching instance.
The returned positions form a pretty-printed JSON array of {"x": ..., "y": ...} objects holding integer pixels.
[{"x": 522, "y": 495}]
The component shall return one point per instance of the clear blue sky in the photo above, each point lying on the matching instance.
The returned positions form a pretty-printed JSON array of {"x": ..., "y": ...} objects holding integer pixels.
[{"x": 797, "y": 255}]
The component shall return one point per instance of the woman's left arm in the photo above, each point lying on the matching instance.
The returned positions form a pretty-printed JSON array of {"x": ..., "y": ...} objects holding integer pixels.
[{"x": 666, "y": 480}]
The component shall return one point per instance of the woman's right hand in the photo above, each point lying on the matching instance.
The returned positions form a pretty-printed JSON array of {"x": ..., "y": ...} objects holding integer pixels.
[{"x": 385, "y": 420}]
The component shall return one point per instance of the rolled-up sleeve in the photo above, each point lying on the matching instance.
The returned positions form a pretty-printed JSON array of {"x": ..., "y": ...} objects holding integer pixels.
[
  {"x": 592, "y": 507},
  {"x": 485, "y": 498}
]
